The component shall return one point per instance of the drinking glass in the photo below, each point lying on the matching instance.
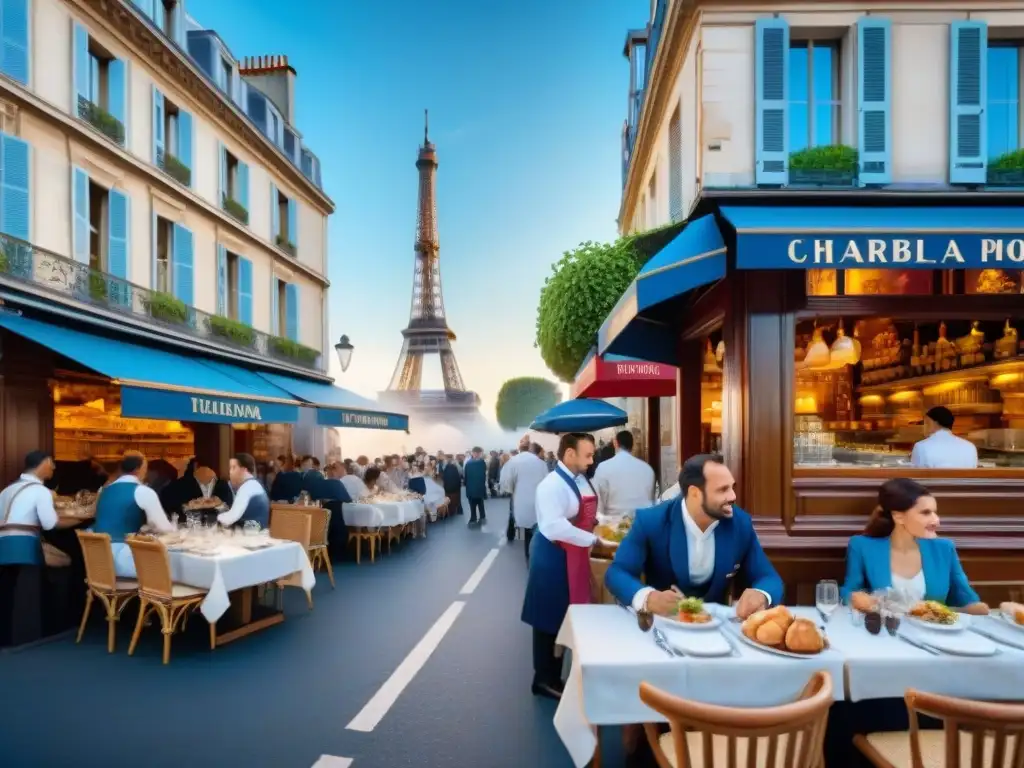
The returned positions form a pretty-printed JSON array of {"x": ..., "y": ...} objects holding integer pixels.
[{"x": 826, "y": 597}]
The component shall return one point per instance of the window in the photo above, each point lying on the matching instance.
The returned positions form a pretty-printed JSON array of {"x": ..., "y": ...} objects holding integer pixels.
[
  {"x": 285, "y": 224},
  {"x": 281, "y": 327},
  {"x": 100, "y": 86},
  {"x": 173, "y": 259},
  {"x": 100, "y": 236},
  {"x": 162, "y": 277},
  {"x": 814, "y": 94},
  {"x": 225, "y": 74},
  {"x": 232, "y": 287},
  {"x": 675, "y": 167},
  {"x": 1004, "y": 123},
  {"x": 97, "y": 227},
  {"x": 172, "y": 139},
  {"x": 234, "y": 185},
  {"x": 285, "y": 317},
  {"x": 165, "y": 16}
]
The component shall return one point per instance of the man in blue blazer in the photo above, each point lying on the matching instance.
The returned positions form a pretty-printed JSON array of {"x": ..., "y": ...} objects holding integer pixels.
[
  {"x": 475, "y": 472},
  {"x": 697, "y": 545}
]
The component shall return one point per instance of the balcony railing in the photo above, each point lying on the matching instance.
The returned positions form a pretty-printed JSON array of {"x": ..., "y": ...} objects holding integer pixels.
[
  {"x": 173, "y": 167},
  {"x": 25, "y": 263},
  {"x": 101, "y": 120}
]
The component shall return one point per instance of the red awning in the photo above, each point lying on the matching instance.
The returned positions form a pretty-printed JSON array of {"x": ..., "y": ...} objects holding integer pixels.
[{"x": 616, "y": 376}]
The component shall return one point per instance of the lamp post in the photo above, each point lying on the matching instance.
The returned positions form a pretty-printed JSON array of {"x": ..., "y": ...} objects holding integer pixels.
[{"x": 344, "y": 349}]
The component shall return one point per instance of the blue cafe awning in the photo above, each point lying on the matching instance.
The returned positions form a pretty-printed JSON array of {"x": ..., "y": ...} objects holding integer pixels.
[
  {"x": 695, "y": 257},
  {"x": 933, "y": 237},
  {"x": 337, "y": 407},
  {"x": 162, "y": 385}
]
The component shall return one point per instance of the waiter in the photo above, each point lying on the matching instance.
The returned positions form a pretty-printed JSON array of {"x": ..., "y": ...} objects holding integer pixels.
[
  {"x": 521, "y": 477},
  {"x": 941, "y": 449},
  {"x": 566, "y": 506},
  {"x": 624, "y": 483},
  {"x": 251, "y": 501}
]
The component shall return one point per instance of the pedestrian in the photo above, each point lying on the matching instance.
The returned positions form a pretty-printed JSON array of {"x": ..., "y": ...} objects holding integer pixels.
[
  {"x": 475, "y": 471},
  {"x": 521, "y": 477}
]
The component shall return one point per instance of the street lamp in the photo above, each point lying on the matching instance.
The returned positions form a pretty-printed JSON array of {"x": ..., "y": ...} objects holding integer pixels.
[{"x": 344, "y": 349}]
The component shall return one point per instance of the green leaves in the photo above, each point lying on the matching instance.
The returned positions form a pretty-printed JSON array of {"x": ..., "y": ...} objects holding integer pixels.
[
  {"x": 521, "y": 400},
  {"x": 582, "y": 290}
]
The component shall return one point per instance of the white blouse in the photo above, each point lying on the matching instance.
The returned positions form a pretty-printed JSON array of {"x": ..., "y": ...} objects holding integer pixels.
[{"x": 913, "y": 588}]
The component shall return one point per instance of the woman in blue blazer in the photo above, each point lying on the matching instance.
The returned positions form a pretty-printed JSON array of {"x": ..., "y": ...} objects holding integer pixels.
[{"x": 900, "y": 549}]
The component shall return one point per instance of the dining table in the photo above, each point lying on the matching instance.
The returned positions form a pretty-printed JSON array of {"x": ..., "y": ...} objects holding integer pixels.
[{"x": 610, "y": 655}]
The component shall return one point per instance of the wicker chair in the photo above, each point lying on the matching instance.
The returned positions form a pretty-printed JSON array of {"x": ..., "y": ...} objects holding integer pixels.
[
  {"x": 709, "y": 736},
  {"x": 976, "y": 734},
  {"x": 320, "y": 524},
  {"x": 159, "y": 594},
  {"x": 295, "y": 525},
  {"x": 101, "y": 583}
]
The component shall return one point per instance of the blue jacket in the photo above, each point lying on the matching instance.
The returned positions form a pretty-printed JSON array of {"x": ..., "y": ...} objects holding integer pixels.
[
  {"x": 656, "y": 547},
  {"x": 869, "y": 567},
  {"x": 286, "y": 487},
  {"x": 476, "y": 479},
  {"x": 331, "y": 489}
]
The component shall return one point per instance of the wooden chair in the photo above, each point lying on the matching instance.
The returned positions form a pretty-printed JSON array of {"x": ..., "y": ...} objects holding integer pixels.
[
  {"x": 289, "y": 524},
  {"x": 976, "y": 734},
  {"x": 159, "y": 594},
  {"x": 320, "y": 523},
  {"x": 101, "y": 583},
  {"x": 709, "y": 736}
]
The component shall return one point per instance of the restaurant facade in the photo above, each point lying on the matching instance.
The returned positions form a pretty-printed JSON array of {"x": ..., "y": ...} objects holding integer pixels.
[{"x": 838, "y": 302}]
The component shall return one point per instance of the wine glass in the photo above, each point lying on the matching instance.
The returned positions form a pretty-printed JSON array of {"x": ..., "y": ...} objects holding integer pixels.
[{"x": 826, "y": 598}]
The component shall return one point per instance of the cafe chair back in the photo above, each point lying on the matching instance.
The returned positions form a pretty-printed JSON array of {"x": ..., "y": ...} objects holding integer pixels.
[
  {"x": 160, "y": 595},
  {"x": 975, "y": 734},
  {"x": 709, "y": 736},
  {"x": 101, "y": 583},
  {"x": 288, "y": 524},
  {"x": 320, "y": 524}
]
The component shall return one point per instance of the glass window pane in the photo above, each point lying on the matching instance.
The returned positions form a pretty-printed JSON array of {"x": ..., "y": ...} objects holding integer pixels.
[
  {"x": 799, "y": 127},
  {"x": 824, "y": 71},
  {"x": 1003, "y": 73},
  {"x": 824, "y": 124},
  {"x": 799, "y": 117},
  {"x": 1003, "y": 136},
  {"x": 798, "y": 75}
]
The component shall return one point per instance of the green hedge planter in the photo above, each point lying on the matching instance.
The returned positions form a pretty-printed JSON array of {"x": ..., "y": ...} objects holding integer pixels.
[
  {"x": 288, "y": 348},
  {"x": 232, "y": 330},
  {"x": 164, "y": 306},
  {"x": 236, "y": 209},
  {"x": 830, "y": 166},
  {"x": 286, "y": 245},
  {"x": 177, "y": 170},
  {"x": 101, "y": 120},
  {"x": 98, "y": 288},
  {"x": 1007, "y": 170}
]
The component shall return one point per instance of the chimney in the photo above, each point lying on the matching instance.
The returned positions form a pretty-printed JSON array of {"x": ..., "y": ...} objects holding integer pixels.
[{"x": 274, "y": 77}]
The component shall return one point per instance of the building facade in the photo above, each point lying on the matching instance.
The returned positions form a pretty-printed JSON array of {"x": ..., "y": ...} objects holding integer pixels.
[{"x": 156, "y": 187}]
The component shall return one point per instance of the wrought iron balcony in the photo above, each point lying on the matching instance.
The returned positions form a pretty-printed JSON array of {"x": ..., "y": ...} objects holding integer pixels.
[
  {"x": 101, "y": 120},
  {"x": 25, "y": 263},
  {"x": 173, "y": 167}
]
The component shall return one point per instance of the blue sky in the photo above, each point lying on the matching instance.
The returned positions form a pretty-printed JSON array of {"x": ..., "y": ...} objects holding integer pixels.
[{"x": 526, "y": 99}]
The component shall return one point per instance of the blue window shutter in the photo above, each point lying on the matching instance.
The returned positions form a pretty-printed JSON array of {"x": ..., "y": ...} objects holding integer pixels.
[
  {"x": 179, "y": 33},
  {"x": 223, "y": 175},
  {"x": 159, "y": 140},
  {"x": 245, "y": 291},
  {"x": 291, "y": 309},
  {"x": 80, "y": 66},
  {"x": 15, "y": 184},
  {"x": 14, "y": 57},
  {"x": 293, "y": 222},
  {"x": 183, "y": 260},
  {"x": 275, "y": 215},
  {"x": 117, "y": 234},
  {"x": 222, "y": 281},
  {"x": 771, "y": 63},
  {"x": 968, "y": 95},
  {"x": 874, "y": 96},
  {"x": 185, "y": 140},
  {"x": 275, "y": 310},
  {"x": 154, "y": 229},
  {"x": 242, "y": 182},
  {"x": 80, "y": 214},
  {"x": 117, "y": 92}
]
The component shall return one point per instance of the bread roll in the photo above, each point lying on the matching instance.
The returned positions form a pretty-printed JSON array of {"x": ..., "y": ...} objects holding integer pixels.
[
  {"x": 752, "y": 623},
  {"x": 804, "y": 637},
  {"x": 1014, "y": 610},
  {"x": 771, "y": 633},
  {"x": 768, "y": 626}
]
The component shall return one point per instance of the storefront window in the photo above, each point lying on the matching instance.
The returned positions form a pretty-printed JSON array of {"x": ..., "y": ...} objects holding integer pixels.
[
  {"x": 993, "y": 281},
  {"x": 862, "y": 386},
  {"x": 870, "y": 282},
  {"x": 669, "y": 457},
  {"x": 711, "y": 395}
]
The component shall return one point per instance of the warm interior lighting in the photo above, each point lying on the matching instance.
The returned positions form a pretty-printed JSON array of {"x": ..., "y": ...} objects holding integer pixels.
[
  {"x": 807, "y": 404},
  {"x": 818, "y": 355},
  {"x": 97, "y": 405},
  {"x": 872, "y": 400},
  {"x": 845, "y": 350},
  {"x": 904, "y": 396}
]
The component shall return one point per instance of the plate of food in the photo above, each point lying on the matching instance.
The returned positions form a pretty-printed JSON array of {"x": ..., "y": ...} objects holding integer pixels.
[
  {"x": 931, "y": 614},
  {"x": 691, "y": 614},
  {"x": 777, "y": 630},
  {"x": 611, "y": 535},
  {"x": 1012, "y": 614}
]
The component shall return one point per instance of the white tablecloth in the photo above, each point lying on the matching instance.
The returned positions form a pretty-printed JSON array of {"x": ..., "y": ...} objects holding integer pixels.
[
  {"x": 382, "y": 513},
  {"x": 235, "y": 567}
]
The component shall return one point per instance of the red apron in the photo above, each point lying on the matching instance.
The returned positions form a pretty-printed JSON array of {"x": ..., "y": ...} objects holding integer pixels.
[{"x": 577, "y": 559}]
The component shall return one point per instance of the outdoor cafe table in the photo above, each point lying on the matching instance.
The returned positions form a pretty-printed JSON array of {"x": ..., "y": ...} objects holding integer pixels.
[
  {"x": 382, "y": 513},
  {"x": 235, "y": 572},
  {"x": 611, "y": 656}
]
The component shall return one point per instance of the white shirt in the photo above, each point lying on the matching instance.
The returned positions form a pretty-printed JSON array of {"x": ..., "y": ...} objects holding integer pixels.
[
  {"x": 700, "y": 554},
  {"x": 944, "y": 450},
  {"x": 34, "y": 505},
  {"x": 912, "y": 589},
  {"x": 624, "y": 484},
  {"x": 521, "y": 476},
  {"x": 355, "y": 486},
  {"x": 149, "y": 503},
  {"x": 386, "y": 483},
  {"x": 246, "y": 491},
  {"x": 556, "y": 504}
]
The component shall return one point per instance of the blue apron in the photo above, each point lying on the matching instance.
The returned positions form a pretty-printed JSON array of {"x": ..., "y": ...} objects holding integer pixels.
[
  {"x": 547, "y": 585},
  {"x": 24, "y": 547},
  {"x": 258, "y": 508}
]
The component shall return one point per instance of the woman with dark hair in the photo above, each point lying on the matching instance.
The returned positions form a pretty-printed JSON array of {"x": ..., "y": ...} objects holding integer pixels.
[{"x": 900, "y": 549}]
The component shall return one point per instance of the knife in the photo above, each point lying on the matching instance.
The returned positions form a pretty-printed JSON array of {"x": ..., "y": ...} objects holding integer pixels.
[
  {"x": 662, "y": 641},
  {"x": 916, "y": 644}
]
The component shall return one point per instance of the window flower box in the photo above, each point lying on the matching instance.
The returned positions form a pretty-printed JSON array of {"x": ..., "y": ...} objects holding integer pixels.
[
  {"x": 101, "y": 120},
  {"x": 1007, "y": 170},
  {"x": 176, "y": 169},
  {"x": 283, "y": 347},
  {"x": 287, "y": 246},
  {"x": 165, "y": 307},
  {"x": 236, "y": 209},
  {"x": 234, "y": 331},
  {"x": 827, "y": 166}
]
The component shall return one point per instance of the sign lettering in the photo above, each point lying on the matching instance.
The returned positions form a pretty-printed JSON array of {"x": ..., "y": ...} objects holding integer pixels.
[
  {"x": 949, "y": 253},
  {"x": 637, "y": 369},
  {"x": 208, "y": 407},
  {"x": 370, "y": 420}
]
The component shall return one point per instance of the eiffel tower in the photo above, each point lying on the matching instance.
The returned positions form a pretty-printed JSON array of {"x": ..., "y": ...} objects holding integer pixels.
[{"x": 428, "y": 332}]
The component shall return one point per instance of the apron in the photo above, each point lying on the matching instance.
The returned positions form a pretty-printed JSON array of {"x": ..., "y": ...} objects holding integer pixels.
[
  {"x": 20, "y": 549},
  {"x": 577, "y": 559}
]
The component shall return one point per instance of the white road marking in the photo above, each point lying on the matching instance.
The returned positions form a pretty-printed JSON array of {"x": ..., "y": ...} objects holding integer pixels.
[
  {"x": 478, "y": 575},
  {"x": 376, "y": 708},
  {"x": 330, "y": 761}
]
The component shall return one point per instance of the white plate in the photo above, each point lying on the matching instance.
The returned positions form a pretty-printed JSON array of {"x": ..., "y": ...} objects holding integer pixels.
[
  {"x": 666, "y": 622},
  {"x": 1004, "y": 619},
  {"x": 959, "y": 625},
  {"x": 768, "y": 649},
  {"x": 249, "y": 544}
]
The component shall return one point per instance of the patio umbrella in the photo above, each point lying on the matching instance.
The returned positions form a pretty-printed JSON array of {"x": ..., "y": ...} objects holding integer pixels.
[{"x": 580, "y": 415}]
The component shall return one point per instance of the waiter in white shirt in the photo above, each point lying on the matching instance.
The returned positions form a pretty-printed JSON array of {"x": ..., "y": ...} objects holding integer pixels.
[
  {"x": 521, "y": 476},
  {"x": 355, "y": 486},
  {"x": 624, "y": 483},
  {"x": 941, "y": 449},
  {"x": 251, "y": 500},
  {"x": 566, "y": 508}
]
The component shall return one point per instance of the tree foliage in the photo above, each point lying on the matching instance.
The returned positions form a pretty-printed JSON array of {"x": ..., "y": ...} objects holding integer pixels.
[
  {"x": 576, "y": 298},
  {"x": 521, "y": 400}
]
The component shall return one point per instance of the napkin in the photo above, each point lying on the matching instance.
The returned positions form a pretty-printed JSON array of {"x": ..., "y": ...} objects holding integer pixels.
[
  {"x": 956, "y": 643},
  {"x": 699, "y": 642}
]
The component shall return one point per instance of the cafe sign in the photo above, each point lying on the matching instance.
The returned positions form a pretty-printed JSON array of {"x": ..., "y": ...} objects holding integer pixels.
[
  {"x": 340, "y": 417},
  {"x": 857, "y": 250},
  {"x": 615, "y": 376},
  {"x": 146, "y": 403}
]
